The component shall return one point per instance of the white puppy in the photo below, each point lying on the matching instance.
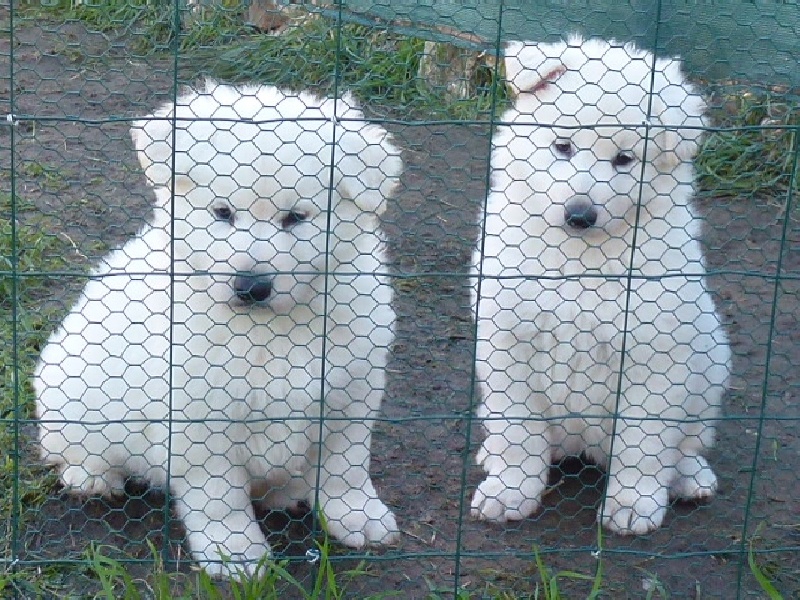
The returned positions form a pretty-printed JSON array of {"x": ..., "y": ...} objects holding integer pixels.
[
  {"x": 236, "y": 347},
  {"x": 595, "y": 331}
]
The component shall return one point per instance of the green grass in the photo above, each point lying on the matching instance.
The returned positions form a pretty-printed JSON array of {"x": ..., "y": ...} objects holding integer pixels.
[
  {"x": 762, "y": 576},
  {"x": 313, "y": 53},
  {"x": 550, "y": 589},
  {"x": 271, "y": 582},
  {"x": 380, "y": 67},
  {"x": 153, "y": 26},
  {"x": 22, "y": 318},
  {"x": 116, "y": 582},
  {"x": 755, "y": 149},
  {"x": 28, "y": 251},
  {"x": 151, "y": 17},
  {"x": 48, "y": 177},
  {"x": 768, "y": 571}
]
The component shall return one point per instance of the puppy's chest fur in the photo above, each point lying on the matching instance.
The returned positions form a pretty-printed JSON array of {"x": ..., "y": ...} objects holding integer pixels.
[
  {"x": 252, "y": 367},
  {"x": 581, "y": 322},
  {"x": 577, "y": 333}
]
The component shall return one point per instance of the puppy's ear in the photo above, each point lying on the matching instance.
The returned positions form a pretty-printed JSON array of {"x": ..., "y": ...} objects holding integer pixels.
[
  {"x": 367, "y": 160},
  {"x": 154, "y": 138},
  {"x": 681, "y": 108},
  {"x": 533, "y": 68}
]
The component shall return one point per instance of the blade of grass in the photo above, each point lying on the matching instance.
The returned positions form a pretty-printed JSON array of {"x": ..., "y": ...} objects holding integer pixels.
[
  {"x": 110, "y": 571},
  {"x": 761, "y": 577}
]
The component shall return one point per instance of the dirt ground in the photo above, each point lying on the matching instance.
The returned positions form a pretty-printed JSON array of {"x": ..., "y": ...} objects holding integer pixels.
[{"x": 423, "y": 452}]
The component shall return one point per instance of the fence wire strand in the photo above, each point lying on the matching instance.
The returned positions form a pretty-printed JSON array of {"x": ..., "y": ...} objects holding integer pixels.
[{"x": 476, "y": 347}]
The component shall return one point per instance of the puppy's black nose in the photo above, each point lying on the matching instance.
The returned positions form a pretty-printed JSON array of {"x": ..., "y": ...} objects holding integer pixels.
[
  {"x": 579, "y": 212},
  {"x": 253, "y": 288}
]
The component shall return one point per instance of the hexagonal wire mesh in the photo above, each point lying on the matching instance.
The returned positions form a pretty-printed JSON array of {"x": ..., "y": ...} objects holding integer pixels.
[{"x": 266, "y": 331}]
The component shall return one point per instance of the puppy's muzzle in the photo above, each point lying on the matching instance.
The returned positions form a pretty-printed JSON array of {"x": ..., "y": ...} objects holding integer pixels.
[
  {"x": 253, "y": 288},
  {"x": 580, "y": 212}
]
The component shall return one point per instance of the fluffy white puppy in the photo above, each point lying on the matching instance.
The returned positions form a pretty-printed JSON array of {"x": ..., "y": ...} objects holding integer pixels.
[
  {"x": 236, "y": 347},
  {"x": 596, "y": 334}
]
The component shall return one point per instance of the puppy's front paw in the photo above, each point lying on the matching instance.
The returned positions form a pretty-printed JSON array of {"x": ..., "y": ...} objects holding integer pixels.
[
  {"x": 495, "y": 500},
  {"x": 223, "y": 541},
  {"x": 357, "y": 519},
  {"x": 628, "y": 512},
  {"x": 222, "y": 565},
  {"x": 79, "y": 480},
  {"x": 696, "y": 480}
]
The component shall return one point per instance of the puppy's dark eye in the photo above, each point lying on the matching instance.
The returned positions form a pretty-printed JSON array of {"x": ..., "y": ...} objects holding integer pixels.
[
  {"x": 622, "y": 160},
  {"x": 292, "y": 218},
  {"x": 563, "y": 148},
  {"x": 223, "y": 213}
]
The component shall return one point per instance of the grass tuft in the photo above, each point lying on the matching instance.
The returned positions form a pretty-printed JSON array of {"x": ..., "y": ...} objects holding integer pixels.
[
  {"x": 765, "y": 573},
  {"x": 754, "y": 149},
  {"x": 26, "y": 256},
  {"x": 271, "y": 582},
  {"x": 153, "y": 26},
  {"x": 316, "y": 54}
]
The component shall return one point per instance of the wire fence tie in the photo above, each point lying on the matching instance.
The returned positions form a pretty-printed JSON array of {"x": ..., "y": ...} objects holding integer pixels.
[{"x": 312, "y": 555}]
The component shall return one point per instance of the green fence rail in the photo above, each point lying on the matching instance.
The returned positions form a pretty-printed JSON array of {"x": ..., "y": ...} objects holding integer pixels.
[{"x": 181, "y": 340}]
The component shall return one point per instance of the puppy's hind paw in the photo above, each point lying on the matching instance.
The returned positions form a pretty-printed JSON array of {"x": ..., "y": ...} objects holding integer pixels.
[{"x": 494, "y": 501}]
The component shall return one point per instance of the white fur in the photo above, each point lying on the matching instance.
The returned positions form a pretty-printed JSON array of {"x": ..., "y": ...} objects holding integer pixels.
[
  {"x": 160, "y": 372},
  {"x": 600, "y": 340}
]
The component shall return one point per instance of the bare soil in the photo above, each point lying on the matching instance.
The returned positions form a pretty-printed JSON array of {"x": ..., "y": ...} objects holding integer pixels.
[{"x": 66, "y": 83}]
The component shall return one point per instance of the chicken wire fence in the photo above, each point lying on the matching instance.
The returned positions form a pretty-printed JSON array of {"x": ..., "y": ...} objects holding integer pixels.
[{"x": 265, "y": 300}]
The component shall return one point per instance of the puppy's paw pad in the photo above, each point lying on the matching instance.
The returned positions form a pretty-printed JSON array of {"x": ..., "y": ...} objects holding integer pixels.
[
  {"x": 628, "y": 513},
  {"x": 494, "y": 501}
]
